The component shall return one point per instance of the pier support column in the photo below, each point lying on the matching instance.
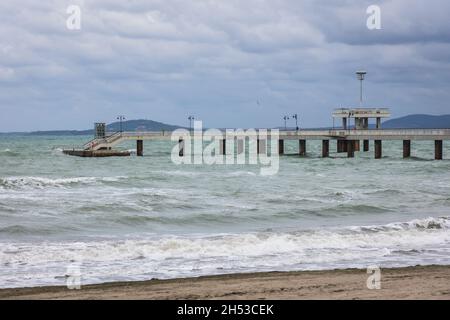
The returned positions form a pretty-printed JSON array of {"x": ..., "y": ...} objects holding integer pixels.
[
  {"x": 261, "y": 146},
  {"x": 302, "y": 147},
  {"x": 378, "y": 149},
  {"x": 139, "y": 148},
  {"x": 366, "y": 146},
  {"x": 438, "y": 150},
  {"x": 325, "y": 148},
  {"x": 341, "y": 146},
  {"x": 350, "y": 148},
  {"x": 223, "y": 146},
  {"x": 181, "y": 147},
  {"x": 280, "y": 147},
  {"x": 406, "y": 148},
  {"x": 240, "y": 146}
]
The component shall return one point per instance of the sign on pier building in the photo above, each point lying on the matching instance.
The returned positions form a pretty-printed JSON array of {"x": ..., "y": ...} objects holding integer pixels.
[{"x": 361, "y": 116}]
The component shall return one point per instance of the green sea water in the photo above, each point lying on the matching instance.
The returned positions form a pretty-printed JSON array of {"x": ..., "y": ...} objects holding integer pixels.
[{"x": 138, "y": 218}]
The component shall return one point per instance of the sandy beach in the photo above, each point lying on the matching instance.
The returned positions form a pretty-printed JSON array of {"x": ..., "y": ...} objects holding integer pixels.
[{"x": 430, "y": 282}]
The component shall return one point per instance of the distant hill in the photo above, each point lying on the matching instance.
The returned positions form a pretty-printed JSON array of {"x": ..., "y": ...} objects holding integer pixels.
[
  {"x": 141, "y": 125},
  {"x": 418, "y": 121},
  {"x": 129, "y": 125}
]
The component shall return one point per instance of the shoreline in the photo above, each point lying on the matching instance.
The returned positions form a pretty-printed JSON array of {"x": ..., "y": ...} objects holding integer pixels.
[{"x": 419, "y": 282}]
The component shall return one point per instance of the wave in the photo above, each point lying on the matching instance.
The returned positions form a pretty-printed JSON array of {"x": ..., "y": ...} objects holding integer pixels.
[
  {"x": 349, "y": 208},
  {"x": 9, "y": 153},
  {"x": 421, "y": 241},
  {"x": 42, "y": 182},
  {"x": 417, "y": 224}
]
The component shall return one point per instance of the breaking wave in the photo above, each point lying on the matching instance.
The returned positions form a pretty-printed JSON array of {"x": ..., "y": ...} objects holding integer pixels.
[
  {"x": 41, "y": 182},
  {"x": 422, "y": 241}
]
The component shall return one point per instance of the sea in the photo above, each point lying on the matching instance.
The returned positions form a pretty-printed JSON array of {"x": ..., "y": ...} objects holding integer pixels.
[{"x": 140, "y": 218}]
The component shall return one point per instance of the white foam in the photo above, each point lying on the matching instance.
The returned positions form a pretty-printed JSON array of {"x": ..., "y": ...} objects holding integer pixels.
[
  {"x": 176, "y": 256},
  {"x": 42, "y": 182}
]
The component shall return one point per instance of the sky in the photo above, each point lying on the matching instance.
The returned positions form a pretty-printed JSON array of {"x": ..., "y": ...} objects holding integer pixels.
[{"x": 229, "y": 63}]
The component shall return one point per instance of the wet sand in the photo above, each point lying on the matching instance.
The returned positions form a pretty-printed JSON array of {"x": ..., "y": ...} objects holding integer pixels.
[{"x": 431, "y": 282}]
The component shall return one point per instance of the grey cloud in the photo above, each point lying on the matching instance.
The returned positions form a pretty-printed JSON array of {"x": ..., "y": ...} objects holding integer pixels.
[{"x": 166, "y": 59}]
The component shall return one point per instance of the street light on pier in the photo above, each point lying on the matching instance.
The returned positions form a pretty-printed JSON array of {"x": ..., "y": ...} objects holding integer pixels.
[
  {"x": 361, "y": 75},
  {"x": 295, "y": 116},
  {"x": 190, "y": 118},
  {"x": 121, "y": 118},
  {"x": 286, "y": 118}
]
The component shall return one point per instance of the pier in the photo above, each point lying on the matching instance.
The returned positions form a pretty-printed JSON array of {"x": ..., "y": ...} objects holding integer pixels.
[
  {"x": 347, "y": 141},
  {"x": 348, "y": 137}
]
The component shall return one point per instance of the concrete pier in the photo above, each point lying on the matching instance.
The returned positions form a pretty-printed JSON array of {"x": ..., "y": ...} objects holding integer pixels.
[
  {"x": 104, "y": 145},
  {"x": 438, "y": 149},
  {"x": 350, "y": 148},
  {"x": 302, "y": 147},
  {"x": 139, "y": 148},
  {"x": 378, "y": 149},
  {"x": 280, "y": 146},
  {"x": 325, "y": 148},
  {"x": 406, "y": 149},
  {"x": 366, "y": 146},
  {"x": 181, "y": 147}
]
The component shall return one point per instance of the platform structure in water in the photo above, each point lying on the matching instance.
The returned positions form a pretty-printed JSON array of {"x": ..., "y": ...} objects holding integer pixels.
[{"x": 96, "y": 153}]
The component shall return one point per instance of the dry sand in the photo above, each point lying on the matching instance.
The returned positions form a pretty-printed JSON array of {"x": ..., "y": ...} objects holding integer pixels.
[{"x": 432, "y": 282}]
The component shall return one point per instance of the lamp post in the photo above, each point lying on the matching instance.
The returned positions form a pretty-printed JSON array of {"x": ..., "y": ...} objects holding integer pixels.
[
  {"x": 361, "y": 75},
  {"x": 286, "y": 118},
  {"x": 190, "y": 118},
  {"x": 121, "y": 118},
  {"x": 295, "y": 116}
]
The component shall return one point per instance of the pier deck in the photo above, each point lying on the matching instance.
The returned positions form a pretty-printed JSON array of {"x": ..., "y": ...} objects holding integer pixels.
[{"x": 348, "y": 140}]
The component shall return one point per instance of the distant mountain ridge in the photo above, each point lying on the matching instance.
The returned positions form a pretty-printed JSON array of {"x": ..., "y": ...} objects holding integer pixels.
[
  {"x": 414, "y": 121},
  {"x": 128, "y": 125},
  {"x": 419, "y": 121}
]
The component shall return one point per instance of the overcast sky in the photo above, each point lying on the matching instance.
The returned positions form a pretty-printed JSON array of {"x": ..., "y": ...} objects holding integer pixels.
[{"x": 230, "y": 63}]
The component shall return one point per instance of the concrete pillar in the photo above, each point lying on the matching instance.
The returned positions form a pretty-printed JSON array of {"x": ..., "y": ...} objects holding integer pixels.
[
  {"x": 378, "y": 123},
  {"x": 350, "y": 148},
  {"x": 181, "y": 147},
  {"x": 438, "y": 150},
  {"x": 240, "y": 146},
  {"x": 344, "y": 123},
  {"x": 366, "y": 145},
  {"x": 280, "y": 146},
  {"x": 261, "y": 146},
  {"x": 140, "y": 148},
  {"x": 378, "y": 149},
  {"x": 341, "y": 146},
  {"x": 325, "y": 148},
  {"x": 406, "y": 148},
  {"x": 302, "y": 147},
  {"x": 366, "y": 123},
  {"x": 223, "y": 146},
  {"x": 360, "y": 123}
]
